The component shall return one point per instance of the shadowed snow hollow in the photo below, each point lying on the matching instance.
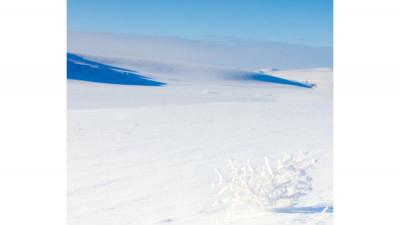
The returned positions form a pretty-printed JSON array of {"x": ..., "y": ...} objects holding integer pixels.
[{"x": 82, "y": 69}]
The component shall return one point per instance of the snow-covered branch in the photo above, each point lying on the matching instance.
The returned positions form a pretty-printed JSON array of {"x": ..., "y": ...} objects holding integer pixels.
[{"x": 268, "y": 187}]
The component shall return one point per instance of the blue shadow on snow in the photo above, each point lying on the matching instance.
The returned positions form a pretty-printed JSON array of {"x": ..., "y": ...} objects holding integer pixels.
[
  {"x": 307, "y": 210},
  {"x": 79, "y": 68},
  {"x": 272, "y": 79}
]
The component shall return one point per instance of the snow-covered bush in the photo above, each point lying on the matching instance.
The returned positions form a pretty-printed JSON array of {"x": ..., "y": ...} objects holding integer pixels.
[{"x": 268, "y": 187}]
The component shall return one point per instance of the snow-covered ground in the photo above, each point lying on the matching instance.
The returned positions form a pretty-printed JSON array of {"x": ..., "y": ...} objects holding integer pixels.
[{"x": 146, "y": 153}]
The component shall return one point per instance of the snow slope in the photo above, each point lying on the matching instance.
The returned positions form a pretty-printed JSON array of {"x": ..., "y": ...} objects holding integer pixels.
[{"x": 145, "y": 154}]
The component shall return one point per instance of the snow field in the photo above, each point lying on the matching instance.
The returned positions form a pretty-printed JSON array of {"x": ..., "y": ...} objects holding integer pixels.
[{"x": 146, "y": 155}]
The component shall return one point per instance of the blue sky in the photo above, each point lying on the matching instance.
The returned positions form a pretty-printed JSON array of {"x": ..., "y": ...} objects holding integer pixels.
[{"x": 305, "y": 22}]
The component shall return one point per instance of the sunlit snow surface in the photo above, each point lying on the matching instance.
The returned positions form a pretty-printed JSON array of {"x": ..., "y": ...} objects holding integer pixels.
[{"x": 145, "y": 154}]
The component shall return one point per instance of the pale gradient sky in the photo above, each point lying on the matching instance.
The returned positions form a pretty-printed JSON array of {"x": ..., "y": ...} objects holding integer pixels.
[{"x": 305, "y": 22}]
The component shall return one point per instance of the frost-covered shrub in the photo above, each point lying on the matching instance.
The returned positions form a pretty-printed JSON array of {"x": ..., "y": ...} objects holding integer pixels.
[{"x": 268, "y": 187}]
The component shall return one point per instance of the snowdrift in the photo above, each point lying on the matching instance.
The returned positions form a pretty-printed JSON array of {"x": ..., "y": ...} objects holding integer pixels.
[{"x": 96, "y": 70}]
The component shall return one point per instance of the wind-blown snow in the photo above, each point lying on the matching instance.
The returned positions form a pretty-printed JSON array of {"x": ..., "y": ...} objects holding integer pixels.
[
  {"x": 231, "y": 53},
  {"x": 146, "y": 154}
]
